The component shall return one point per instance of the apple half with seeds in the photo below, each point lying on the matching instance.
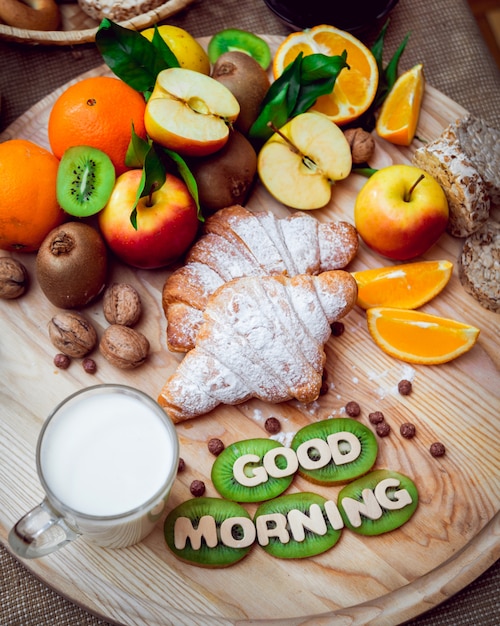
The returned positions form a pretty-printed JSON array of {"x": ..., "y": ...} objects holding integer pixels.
[
  {"x": 189, "y": 112},
  {"x": 300, "y": 162}
]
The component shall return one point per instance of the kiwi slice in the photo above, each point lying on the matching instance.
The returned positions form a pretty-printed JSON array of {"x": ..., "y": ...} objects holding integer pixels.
[
  {"x": 210, "y": 532},
  {"x": 334, "y": 451},
  {"x": 226, "y": 483},
  {"x": 295, "y": 526},
  {"x": 234, "y": 39},
  {"x": 85, "y": 180},
  {"x": 378, "y": 502}
]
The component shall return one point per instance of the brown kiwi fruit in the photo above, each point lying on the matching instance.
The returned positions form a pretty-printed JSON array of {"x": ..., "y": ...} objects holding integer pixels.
[
  {"x": 71, "y": 265},
  {"x": 246, "y": 80},
  {"x": 225, "y": 177}
]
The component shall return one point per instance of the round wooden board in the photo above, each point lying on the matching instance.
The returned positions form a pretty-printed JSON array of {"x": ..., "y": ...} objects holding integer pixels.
[{"x": 452, "y": 538}]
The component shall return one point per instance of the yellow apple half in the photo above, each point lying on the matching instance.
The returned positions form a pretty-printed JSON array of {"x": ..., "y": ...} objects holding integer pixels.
[
  {"x": 300, "y": 170},
  {"x": 189, "y": 112}
]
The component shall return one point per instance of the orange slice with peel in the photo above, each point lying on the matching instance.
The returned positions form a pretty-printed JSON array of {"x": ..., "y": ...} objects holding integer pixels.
[
  {"x": 406, "y": 286},
  {"x": 399, "y": 114},
  {"x": 355, "y": 88},
  {"x": 417, "y": 337}
]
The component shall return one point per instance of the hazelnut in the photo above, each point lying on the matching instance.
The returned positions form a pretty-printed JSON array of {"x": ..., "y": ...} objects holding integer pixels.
[
  {"x": 72, "y": 334},
  {"x": 361, "y": 143},
  {"x": 13, "y": 278},
  {"x": 122, "y": 304},
  {"x": 124, "y": 347}
]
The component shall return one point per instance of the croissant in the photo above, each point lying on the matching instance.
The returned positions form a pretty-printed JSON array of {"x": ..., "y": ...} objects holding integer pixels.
[
  {"x": 238, "y": 242},
  {"x": 261, "y": 337}
]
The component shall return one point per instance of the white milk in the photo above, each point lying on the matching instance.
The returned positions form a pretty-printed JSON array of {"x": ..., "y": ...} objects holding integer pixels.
[{"x": 107, "y": 455}]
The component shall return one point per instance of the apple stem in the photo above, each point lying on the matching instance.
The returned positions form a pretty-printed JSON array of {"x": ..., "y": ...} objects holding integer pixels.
[
  {"x": 412, "y": 188},
  {"x": 284, "y": 137},
  {"x": 152, "y": 189}
]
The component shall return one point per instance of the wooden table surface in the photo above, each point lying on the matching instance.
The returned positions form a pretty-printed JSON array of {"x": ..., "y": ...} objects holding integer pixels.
[{"x": 452, "y": 538}]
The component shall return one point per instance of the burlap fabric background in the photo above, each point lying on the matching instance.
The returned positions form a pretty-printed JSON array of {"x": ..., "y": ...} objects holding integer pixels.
[{"x": 444, "y": 36}]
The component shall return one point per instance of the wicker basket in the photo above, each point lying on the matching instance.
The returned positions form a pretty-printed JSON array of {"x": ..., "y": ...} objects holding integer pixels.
[{"x": 77, "y": 27}]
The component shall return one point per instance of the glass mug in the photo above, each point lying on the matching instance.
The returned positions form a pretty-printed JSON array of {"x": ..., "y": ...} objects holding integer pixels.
[{"x": 107, "y": 457}]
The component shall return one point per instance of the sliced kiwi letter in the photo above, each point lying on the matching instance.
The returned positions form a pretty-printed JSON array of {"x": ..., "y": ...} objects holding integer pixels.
[
  {"x": 335, "y": 451},
  {"x": 248, "y": 455},
  {"x": 210, "y": 532},
  {"x": 378, "y": 502},
  {"x": 295, "y": 526},
  {"x": 234, "y": 39},
  {"x": 85, "y": 180}
]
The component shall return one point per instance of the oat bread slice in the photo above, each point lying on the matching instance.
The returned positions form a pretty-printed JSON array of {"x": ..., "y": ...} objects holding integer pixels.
[
  {"x": 479, "y": 266},
  {"x": 481, "y": 143},
  {"x": 466, "y": 192}
]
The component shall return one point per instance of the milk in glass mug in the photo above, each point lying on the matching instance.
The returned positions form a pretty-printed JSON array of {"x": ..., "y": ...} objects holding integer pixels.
[{"x": 107, "y": 457}]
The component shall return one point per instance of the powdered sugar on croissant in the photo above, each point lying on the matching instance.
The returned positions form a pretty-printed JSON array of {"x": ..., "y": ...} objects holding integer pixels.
[
  {"x": 238, "y": 242},
  {"x": 261, "y": 337}
]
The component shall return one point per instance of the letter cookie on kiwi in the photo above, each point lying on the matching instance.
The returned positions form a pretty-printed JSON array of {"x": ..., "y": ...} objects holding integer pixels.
[
  {"x": 210, "y": 532},
  {"x": 296, "y": 526},
  {"x": 335, "y": 450},
  {"x": 377, "y": 503}
]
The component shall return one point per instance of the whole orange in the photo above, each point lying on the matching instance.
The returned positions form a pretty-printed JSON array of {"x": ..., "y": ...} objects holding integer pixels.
[
  {"x": 98, "y": 112},
  {"x": 28, "y": 205}
]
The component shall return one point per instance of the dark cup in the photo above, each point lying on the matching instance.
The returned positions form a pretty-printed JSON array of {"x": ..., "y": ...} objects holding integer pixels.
[{"x": 356, "y": 17}]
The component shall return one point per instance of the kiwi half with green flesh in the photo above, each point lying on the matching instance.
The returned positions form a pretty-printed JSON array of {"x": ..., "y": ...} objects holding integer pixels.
[
  {"x": 295, "y": 526},
  {"x": 248, "y": 455},
  {"x": 210, "y": 532},
  {"x": 378, "y": 502},
  {"x": 85, "y": 180},
  {"x": 231, "y": 39},
  {"x": 335, "y": 451}
]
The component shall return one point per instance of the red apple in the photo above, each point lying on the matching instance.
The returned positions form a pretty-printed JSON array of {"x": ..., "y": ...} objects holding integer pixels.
[
  {"x": 400, "y": 212},
  {"x": 166, "y": 226}
]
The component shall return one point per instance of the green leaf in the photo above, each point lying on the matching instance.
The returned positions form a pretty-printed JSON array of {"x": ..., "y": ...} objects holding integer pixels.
[
  {"x": 387, "y": 77},
  {"x": 296, "y": 90},
  {"x": 187, "y": 177},
  {"x": 136, "y": 151},
  {"x": 130, "y": 56},
  {"x": 153, "y": 177},
  {"x": 318, "y": 78},
  {"x": 163, "y": 49}
]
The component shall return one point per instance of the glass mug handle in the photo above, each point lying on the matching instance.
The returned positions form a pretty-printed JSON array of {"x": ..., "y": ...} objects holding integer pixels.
[{"x": 41, "y": 531}]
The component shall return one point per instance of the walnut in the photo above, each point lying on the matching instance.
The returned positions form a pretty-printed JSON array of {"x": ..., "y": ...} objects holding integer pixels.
[
  {"x": 13, "y": 278},
  {"x": 122, "y": 304},
  {"x": 362, "y": 144},
  {"x": 124, "y": 347},
  {"x": 72, "y": 334}
]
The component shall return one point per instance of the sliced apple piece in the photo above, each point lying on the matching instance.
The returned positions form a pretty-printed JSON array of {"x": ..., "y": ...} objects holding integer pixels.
[
  {"x": 299, "y": 164},
  {"x": 189, "y": 112}
]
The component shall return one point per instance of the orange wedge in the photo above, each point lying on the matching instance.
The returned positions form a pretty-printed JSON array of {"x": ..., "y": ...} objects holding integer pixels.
[
  {"x": 406, "y": 286},
  {"x": 398, "y": 118},
  {"x": 417, "y": 337},
  {"x": 355, "y": 88}
]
